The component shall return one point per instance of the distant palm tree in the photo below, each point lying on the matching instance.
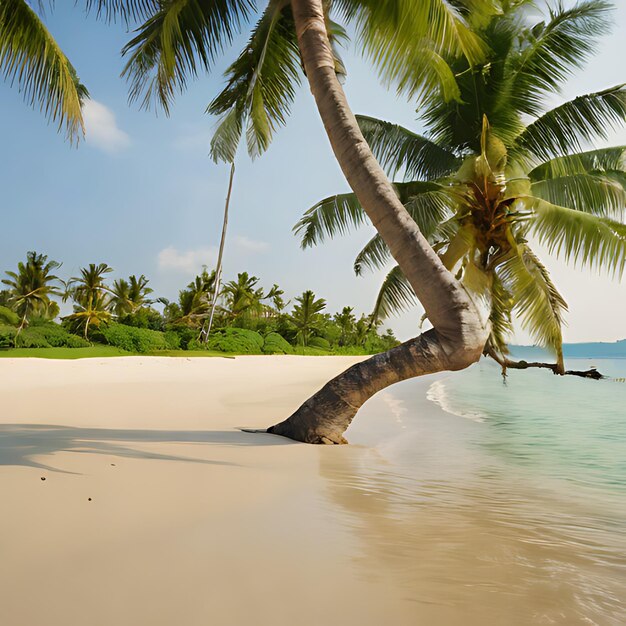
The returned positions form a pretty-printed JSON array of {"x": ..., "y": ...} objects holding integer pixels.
[
  {"x": 31, "y": 58},
  {"x": 31, "y": 287},
  {"x": 496, "y": 169},
  {"x": 91, "y": 298},
  {"x": 193, "y": 302},
  {"x": 346, "y": 322},
  {"x": 306, "y": 316},
  {"x": 126, "y": 296},
  {"x": 243, "y": 297}
]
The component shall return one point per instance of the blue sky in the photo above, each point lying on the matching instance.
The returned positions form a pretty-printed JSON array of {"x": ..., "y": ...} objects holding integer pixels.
[{"x": 142, "y": 195}]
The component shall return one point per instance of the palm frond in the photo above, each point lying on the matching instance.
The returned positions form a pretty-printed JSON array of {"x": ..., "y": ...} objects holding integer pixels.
[
  {"x": 500, "y": 316},
  {"x": 593, "y": 161},
  {"x": 177, "y": 41},
  {"x": 554, "y": 50},
  {"x": 374, "y": 255},
  {"x": 396, "y": 148},
  {"x": 581, "y": 238},
  {"x": 128, "y": 10},
  {"x": 536, "y": 301},
  {"x": 261, "y": 86},
  {"x": 591, "y": 193},
  {"x": 332, "y": 216},
  {"x": 30, "y": 57},
  {"x": 408, "y": 43},
  {"x": 568, "y": 127},
  {"x": 395, "y": 295}
]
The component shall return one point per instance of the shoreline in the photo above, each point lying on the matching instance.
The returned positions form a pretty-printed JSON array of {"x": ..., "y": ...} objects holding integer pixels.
[{"x": 157, "y": 510}]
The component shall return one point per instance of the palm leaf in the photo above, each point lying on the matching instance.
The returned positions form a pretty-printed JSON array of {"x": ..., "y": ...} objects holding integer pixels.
[
  {"x": 536, "y": 301},
  {"x": 332, "y": 216},
  {"x": 128, "y": 10},
  {"x": 394, "y": 296},
  {"x": 593, "y": 161},
  {"x": 176, "y": 41},
  {"x": 591, "y": 193},
  {"x": 409, "y": 42},
  {"x": 500, "y": 316},
  {"x": 30, "y": 57},
  {"x": 336, "y": 215},
  {"x": 566, "y": 128},
  {"x": 578, "y": 237},
  {"x": 261, "y": 86},
  {"x": 554, "y": 50},
  {"x": 397, "y": 148},
  {"x": 374, "y": 255}
]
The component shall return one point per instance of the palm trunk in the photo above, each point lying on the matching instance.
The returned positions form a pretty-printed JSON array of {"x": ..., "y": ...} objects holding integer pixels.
[
  {"x": 459, "y": 332},
  {"x": 218, "y": 267}
]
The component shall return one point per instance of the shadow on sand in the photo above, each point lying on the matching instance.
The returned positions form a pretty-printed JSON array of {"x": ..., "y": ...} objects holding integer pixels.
[{"x": 19, "y": 443}]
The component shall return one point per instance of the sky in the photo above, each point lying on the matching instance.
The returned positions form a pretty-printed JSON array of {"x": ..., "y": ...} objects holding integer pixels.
[{"x": 141, "y": 194}]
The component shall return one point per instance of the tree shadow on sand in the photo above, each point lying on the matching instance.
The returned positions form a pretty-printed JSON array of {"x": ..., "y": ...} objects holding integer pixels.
[{"x": 20, "y": 443}]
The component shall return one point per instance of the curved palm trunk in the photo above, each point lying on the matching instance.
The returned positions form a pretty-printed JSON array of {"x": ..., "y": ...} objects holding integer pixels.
[{"x": 459, "y": 332}]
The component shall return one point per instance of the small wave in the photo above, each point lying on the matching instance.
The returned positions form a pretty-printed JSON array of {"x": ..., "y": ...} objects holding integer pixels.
[
  {"x": 438, "y": 394},
  {"x": 397, "y": 406}
]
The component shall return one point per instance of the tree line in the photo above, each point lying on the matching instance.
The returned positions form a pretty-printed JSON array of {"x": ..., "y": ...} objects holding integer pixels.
[{"x": 246, "y": 314}]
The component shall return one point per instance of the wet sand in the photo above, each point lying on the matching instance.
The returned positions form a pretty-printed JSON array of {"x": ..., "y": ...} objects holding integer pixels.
[{"x": 156, "y": 510}]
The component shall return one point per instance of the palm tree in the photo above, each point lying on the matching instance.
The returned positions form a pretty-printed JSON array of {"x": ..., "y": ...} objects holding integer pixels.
[
  {"x": 346, "y": 322},
  {"x": 126, "y": 296},
  {"x": 306, "y": 316},
  {"x": 497, "y": 169},
  {"x": 91, "y": 298},
  {"x": 31, "y": 287},
  {"x": 407, "y": 41},
  {"x": 193, "y": 302},
  {"x": 243, "y": 297},
  {"x": 119, "y": 301},
  {"x": 32, "y": 59}
]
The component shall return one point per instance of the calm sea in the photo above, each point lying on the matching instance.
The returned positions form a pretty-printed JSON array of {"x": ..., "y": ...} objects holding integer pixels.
[{"x": 507, "y": 500}]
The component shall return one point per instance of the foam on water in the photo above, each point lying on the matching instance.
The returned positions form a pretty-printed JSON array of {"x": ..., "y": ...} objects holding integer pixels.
[{"x": 437, "y": 393}]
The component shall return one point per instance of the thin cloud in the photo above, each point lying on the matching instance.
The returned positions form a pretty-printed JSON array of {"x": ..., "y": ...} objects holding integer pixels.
[
  {"x": 246, "y": 244},
  {"x": 101, "y": 129},
  {"x": 186, "y": 261}
]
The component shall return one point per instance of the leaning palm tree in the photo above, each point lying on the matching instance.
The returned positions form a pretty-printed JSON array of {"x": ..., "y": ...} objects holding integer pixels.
[
  {"x": 31, "y": 287},
  {"x": 32, "y": 59},
  {"x": 497, "y": 170},
  {"x": 91, "y": 298},
  {"x": 408, "y": 42}
]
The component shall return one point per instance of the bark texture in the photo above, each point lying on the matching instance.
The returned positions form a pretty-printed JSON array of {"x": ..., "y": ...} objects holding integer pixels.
[{"x": 459, "y": 333}]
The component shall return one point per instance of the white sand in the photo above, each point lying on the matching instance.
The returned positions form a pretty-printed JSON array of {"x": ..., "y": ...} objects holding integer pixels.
[{"x": 196, "y": 522}]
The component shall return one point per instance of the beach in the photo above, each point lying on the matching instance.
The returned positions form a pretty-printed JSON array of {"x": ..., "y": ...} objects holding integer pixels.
[{"x": 157, "y": 510}]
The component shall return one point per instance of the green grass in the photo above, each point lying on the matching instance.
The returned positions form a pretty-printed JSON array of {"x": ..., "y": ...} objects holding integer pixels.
[
  {"x": 100, "y": 351},
  {"x": 63, "y": 353}
]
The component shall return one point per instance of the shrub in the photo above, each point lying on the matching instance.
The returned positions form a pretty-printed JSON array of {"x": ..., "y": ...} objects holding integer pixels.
[
  {"x": 7, "y": 335},
  {"x": 133, "y": 339},
  {"x": 43, "y": 334},
  {"x": 320, "y": 343},
  {"x": 8, "y": 317},
  {"x": 276, "y": 344},
  {"x": 144, "y": 317},
  {"x": 237, "y": 340}
]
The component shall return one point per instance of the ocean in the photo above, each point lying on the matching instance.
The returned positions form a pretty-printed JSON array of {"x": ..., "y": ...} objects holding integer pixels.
[{"x": 507, "y": 500}]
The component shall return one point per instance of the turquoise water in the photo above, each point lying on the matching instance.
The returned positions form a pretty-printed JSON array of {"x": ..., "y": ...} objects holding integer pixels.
[
  {"x": 496, "y": 503},
  {"x": 560, "y": 428}
]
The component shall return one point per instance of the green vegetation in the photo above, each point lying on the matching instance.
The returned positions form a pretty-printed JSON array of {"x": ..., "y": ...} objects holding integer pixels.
[{"x": 121, "y": 319}]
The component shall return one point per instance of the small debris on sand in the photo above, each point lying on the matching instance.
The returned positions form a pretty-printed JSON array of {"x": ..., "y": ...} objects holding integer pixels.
[{"x": 43, "y": 478}]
